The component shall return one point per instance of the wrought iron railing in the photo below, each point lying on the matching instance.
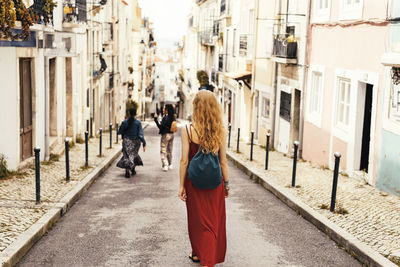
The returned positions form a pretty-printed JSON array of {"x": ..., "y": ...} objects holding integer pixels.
[{"x": 285, "y": 46}]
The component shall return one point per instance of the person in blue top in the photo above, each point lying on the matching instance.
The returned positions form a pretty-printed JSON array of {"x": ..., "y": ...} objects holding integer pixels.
[{"x": 132, "y": 135}]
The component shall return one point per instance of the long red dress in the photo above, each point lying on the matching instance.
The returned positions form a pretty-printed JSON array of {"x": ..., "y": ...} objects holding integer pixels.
[{"x": 206, "y": 219}]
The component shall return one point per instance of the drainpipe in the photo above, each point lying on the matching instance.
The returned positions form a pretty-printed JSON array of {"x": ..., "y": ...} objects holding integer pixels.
[
  {"x": 305, "y": 72},
  {"x": 46, "y": 110},
  {"x": 275, "y": 89},
  {"x": 253, "y": 71}
]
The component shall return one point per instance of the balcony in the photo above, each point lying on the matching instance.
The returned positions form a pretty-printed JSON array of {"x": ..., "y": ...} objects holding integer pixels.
[
  {"x": 207, "y": 38},
  {"x": 40, "y": 13},
  {"x": 285, "y": 49},
  {"x": 74, "y": 12},
  {"x": 246, "y": 45}
]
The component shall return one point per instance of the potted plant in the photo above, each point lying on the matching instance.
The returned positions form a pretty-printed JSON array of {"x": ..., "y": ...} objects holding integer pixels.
[{"x": 10, "y": 12}]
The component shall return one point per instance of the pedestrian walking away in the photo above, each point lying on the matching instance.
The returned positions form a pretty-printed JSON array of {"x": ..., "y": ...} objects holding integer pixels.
[
  {"x": 167, "y": 128},
  {"x": 204, "y": 142},
  {"x": 132, "y": 135}
]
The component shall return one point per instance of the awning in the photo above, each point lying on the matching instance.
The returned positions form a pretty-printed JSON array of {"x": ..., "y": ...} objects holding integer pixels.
[{"x": 243, "y": 75}]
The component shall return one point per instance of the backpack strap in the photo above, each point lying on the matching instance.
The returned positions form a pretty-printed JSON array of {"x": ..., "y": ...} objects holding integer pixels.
[{"x": 189, "y": 135}]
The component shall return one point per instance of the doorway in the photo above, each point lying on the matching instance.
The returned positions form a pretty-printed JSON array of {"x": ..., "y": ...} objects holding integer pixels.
[
  {"x": 25, "y": 85},
  {"x": 284, "y": 121},
  {"x": 366, "y": 128}
]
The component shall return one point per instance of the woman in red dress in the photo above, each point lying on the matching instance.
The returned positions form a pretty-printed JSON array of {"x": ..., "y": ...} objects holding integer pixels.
[{"x": 205, "y": 207}]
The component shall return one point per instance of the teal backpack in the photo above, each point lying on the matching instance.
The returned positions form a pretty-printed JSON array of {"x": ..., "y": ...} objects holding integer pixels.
[{"x": 204, "y": 170}]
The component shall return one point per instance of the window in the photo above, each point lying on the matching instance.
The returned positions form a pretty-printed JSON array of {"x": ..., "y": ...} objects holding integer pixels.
[
  {"x": 322, "y": 4},
  {"x": 394, "y": 108},
  {"x": 350, "y": 9},
  {"x": 315, "y": 103},
  {"x": 321, "y": 10},
  {"x": 265, "y": 104},
  {"x": 343, "y": 103},
  {"x": 315, "y": 91}
]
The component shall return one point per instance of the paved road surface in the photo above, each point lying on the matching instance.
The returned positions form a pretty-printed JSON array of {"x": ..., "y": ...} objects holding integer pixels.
[{"x": 141, "y": 222}]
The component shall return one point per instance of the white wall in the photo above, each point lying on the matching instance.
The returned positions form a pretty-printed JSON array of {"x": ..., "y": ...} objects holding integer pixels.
[{"x": 9, "y": 106}]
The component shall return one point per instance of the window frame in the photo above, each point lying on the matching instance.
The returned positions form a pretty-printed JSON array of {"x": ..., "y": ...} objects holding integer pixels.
[
  {"x": 313, "y": 116},
  {"x": 351, "y": 12},
  {"x": 346, "y": 102},
  {"x": 321, "y": 14}
]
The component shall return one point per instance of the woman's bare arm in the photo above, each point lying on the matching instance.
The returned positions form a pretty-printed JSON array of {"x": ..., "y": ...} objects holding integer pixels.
[
  {"x": 184, "y": 157},
  {"x": 223, "y": 160}
]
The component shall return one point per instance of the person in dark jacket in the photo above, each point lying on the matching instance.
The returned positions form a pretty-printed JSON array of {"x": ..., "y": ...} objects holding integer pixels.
[
  {"x": 167, "y": 137},
  {"x": 132, "y": 135}
]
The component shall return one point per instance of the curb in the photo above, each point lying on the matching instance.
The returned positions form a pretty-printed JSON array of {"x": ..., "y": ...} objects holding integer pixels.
[
  {"x": 353, "y": 246},
  {"x": 14, "y": 253}
]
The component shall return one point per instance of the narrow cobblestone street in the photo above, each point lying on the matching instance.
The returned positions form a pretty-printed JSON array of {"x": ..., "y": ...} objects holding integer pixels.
[{"x": 141, "y": 222}]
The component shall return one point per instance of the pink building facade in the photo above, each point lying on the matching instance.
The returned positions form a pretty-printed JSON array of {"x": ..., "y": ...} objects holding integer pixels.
[{"x": 344, "y": 84}]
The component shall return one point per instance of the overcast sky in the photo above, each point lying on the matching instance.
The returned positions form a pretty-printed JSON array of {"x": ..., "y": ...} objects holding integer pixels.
[{"x": 169, "y": 18}]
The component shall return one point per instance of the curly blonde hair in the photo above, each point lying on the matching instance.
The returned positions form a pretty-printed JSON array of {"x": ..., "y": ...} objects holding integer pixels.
[{"x": 207, "y": 117}]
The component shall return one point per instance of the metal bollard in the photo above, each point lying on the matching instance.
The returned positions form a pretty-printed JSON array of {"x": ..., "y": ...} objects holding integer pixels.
[
  {"x": 67, "y": 159},
  {"x": 251, "y": 147},
  {"x": 86, "y": 149},
  {"x": 335, "y": 180},
  {"x": 100, "y": 143},
  {"x": 116, "y": 131},
  {"x": 110, "y": 135},
  {"x": 296, "y": 148},
  {"x": 91, "y": 127},
  {"x": 37, "y": 173},
  {"x": 229, "y": 135},
  {"x": 238, "y": 137},
  {"x": 267, "y": 152}
]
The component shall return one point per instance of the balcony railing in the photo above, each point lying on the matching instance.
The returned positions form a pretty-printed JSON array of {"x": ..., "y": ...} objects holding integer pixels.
[
  {"x": 221, "y": 63},
  {"x": 246, "y": 45},
  {"x": 285, "y": 46},
  {"x": 206, "y": 37}
]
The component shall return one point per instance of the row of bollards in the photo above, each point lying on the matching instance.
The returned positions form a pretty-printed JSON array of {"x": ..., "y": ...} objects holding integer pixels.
[
  {"x": 67, "y": 167},
  {"x": 295, "y": 155}
]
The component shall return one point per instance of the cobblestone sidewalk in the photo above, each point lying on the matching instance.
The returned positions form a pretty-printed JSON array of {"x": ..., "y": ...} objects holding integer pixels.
[
  {"x": 372, "y": 216},
  {"x": 18, "y": 210}
]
